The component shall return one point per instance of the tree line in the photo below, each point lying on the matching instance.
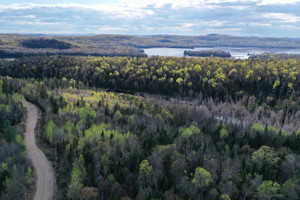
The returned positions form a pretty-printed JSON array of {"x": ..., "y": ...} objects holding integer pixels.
[{"x": 217, "y": 78}]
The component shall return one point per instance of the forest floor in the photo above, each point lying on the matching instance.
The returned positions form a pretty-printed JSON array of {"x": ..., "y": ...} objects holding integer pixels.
[{"x": 44, "y": 174}]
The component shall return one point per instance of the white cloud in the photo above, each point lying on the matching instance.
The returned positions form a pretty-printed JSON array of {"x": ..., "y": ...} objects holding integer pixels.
[
  {"x": 270, "y": 2},
  {"x": 116, "y": 10},
  {"x": 193, "y": 3},
  {"x": 260, "y": 24},
  {"x": 109, "y": 29},
  {"x": 213, "y": 23},
  {"x": 291, "y": 27},
  {"x": 223, "y": 30},
  {"x": 159, "y": 3},
  {"x": 282, "y": 17},
  {"x": 156, "y": 17},
  {"x": 187, "y": 25}
]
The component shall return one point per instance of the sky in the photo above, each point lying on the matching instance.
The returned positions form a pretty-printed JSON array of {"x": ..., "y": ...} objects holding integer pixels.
[{"x": 270, "y": 18}]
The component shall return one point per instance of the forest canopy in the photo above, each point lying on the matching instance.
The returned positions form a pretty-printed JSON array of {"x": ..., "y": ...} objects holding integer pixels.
[
  {"x": 162, "y": 127},
  {"x": 42, "y": 43}
]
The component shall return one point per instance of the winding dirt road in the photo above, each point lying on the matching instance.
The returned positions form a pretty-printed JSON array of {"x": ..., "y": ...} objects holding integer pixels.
[{"x": 43, "y": 169}]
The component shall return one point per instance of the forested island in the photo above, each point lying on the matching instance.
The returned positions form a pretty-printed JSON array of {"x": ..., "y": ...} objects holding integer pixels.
[
  {"x": 154, "y": 128},
  {"x": 208, "y": 53}
]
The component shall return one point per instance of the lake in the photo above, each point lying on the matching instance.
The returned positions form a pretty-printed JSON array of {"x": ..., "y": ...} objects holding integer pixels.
[{"x": 236, "y": 52}]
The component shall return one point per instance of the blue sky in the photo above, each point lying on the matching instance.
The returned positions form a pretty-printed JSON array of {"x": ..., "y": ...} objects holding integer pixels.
[{"x": 274, "y": 18}]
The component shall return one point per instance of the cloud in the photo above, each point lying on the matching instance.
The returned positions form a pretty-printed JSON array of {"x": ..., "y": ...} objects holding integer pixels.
[
  {"x": 282, "y": 17},
  {"x": 217, "y": 30},
  {"x": 190, "y": 17},
  {"x": 270, "y": 2},
  {"x": 260, "y": 24}
]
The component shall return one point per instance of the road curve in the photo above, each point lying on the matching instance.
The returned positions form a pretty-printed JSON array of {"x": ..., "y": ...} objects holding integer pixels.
[{"x": 43, "y": 169}]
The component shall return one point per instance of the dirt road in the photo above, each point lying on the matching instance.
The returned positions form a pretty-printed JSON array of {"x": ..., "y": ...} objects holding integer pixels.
[{"x": 43, "y": 170}]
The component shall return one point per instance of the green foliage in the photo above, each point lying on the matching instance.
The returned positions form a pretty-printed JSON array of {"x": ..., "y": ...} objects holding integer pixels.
[
  {"x": 187, "y": 132},
  {"x": 211, "y": 77},
  {"x": 268, "y": 190},
  {"x": 266, "y": 161},
  {"x": 87, "y": 113},
  {"x": 29, "y": 175},
  {"x": 276, "y": 84},
  {"x": 202, "y": 178},
  {"x": 224, "y": 197},
  {"x": 95, "y": 134},
  {"x": 257, "y": 128},
  {"x": 69, "y": 128},
  {"x": 50, "y": 130},
  {"x": 149, "y": 147},
  {"x": 223, "y": 134},
  {"x": 9, "y": 131},
  {"x": 14, "y": 189},
  {"x": 146, "y": 169},
  {"x": 198, "y": 68},
  {"x": 77, "y": 177},
  {"x": 272, "y": 130},
  {"x": 265, "y": 155},
  {"x": 13, "y": 157},
  {"x": 179, "y": 81},
  {"x": 118, "y": 115},
  {"x": 75, "y": 184},
  {"x": 20, "y": 141}
]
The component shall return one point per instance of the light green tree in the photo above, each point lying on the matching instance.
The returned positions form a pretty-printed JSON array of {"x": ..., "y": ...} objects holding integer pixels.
[
  {"x": 77, "y": 178},
  {"x": 223, "y": 134},
  {"x": 87, "y": 112},
  {"x": 224, "y": 197},
  {"x": 265, "y": 156},
  {"x": 187, "y": 132},
  {"x": 202, "y": 178},
  {"x": 145, "y": 172},
  {"x": 268, "y": 190},
  {"x": 20, "y": 141},
  {"x": 179, "y": 81},
  {"x": 50, "y": 130}
]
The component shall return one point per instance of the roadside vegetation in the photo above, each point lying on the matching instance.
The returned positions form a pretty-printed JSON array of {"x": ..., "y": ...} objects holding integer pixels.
[{"x": 16, "y": 173}]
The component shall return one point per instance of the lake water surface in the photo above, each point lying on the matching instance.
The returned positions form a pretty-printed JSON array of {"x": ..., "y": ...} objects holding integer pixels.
[{"x": 236, "y": 52}]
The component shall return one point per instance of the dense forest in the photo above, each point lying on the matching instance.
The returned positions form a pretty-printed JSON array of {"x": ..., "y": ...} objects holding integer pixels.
[
  {"x": 16, "y": 174},
  {"x": 165, "y": 127},
  {"x": 16, "y": 46},
  {"x": 45, "y": 43},
  {"x": 267, "y": 80},
  {"x": 274, "y": 56}
]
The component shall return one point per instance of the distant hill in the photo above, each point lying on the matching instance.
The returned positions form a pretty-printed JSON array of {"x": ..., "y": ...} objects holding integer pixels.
[{"x": 16, "y": 45}]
